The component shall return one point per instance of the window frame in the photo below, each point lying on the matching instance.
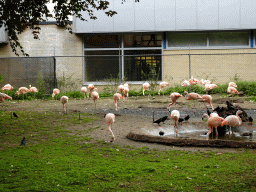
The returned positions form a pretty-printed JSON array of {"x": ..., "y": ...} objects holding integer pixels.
[{"x": 208, "y": 41}]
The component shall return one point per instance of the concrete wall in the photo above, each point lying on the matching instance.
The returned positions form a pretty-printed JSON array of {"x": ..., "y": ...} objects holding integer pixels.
[{"x": 220, "y": 66}]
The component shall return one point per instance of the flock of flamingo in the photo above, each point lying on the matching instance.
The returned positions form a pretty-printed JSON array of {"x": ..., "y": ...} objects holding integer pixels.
[{"x": 213, "y": 119}]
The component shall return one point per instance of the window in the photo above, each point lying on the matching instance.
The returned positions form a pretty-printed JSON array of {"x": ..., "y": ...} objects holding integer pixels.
[
  {"x": 101, "y": 65},
  {"x": 141, "y": 65},
  {"x": 101, "y": 41},
  {"x": 208, "y": 40},
  {"x": 146, "y": 40},
  {"x": 229, "y": 38},
  {"x": 187, "y": 39}
]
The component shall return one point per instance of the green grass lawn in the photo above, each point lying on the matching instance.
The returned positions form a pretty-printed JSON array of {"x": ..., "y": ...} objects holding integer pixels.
[{"x": 58, "y": 159}]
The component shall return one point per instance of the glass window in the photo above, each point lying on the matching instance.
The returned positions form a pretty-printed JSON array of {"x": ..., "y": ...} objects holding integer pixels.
[
  {"x": 140, "y": 65},
  {"x": 229, "y": 38},
  {"x": 101, "y": 65},
  {"x": 101, "y": 41},
  {"x": 187, "y": 39},
  {"x": 145, "y": 40}
]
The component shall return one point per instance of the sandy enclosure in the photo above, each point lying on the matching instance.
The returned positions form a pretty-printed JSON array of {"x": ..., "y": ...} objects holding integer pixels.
[{"x": 135, "y": 114}]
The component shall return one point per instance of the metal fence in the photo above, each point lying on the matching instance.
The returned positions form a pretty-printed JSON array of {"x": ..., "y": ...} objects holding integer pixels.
[
  {"x": 25, "y": 71},
  {"x": 69, "y": 73}
]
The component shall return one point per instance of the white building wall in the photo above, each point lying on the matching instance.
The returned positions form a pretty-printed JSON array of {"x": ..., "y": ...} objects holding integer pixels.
[
  {"x": 172, "y": 15},
  {"x": 3, "y": 35}
]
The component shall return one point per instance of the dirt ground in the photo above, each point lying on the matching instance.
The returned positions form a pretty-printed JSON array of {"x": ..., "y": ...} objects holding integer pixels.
[{"x": 133, "y": 114}]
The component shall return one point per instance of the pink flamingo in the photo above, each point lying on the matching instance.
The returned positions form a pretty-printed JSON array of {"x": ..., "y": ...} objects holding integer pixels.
[
  {"x": 7, "y": 88},
  {"x": 4, "y": 96},
  {"x": 121, "y": 89},
  {"x": 22, "y": 90},
  {"x": 117, "y": 97},
  {"x": 232, "y": 84},
  {"x": 110, "y": 119},
  {"x": 90, "y": 87},
  {"x": 145, "y": 86},
  {"x": 185, "y": 83},
  {"x": 126, "y": 91},
  {"x": 95, "y": 96},
  {"x": 193, "y": 81},
  {"x": 33, "y": 90},
  {"x": 214, "y": 114},
  {"x": 64, "y": 100},
  {"x": 126, "y": 86},
  {"x": 175, "y": 115},
  {"x": 174, "y": 97},
  {"x": 208, "y": 99},
  {"x": 162, "y": 85},
  {"x": 233, "y": 120},
  {"x": 55, "y": 92},
  {"x": 232, "y": 91},
  {"x": 214, "y": 122},
  {"x": 84, "y": 90},
  {"x": 192, "y": 96},
  {"x": 210, "y": 87},
  {"x": 204, "y": 82}
]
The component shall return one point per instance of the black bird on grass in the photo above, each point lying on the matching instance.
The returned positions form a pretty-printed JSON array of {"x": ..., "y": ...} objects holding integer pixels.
[
  {"x": 15, "y": 115},
  {"x": 161, "y": 133},
  {"x": 162, "y": 119},
  {"x": 23, "y": 141}
]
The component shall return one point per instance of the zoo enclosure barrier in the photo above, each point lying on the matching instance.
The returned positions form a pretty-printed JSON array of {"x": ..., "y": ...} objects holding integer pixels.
[{"x": 71, "y": 72}]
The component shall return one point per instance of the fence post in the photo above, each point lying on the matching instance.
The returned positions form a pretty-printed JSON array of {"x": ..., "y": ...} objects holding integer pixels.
[
  {"x": 54, "y": 73},
  {"x": 189, "y": 65}
]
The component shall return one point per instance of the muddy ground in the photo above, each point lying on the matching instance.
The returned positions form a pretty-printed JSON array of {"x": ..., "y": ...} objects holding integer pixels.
[{"x": 133, "y": 114}]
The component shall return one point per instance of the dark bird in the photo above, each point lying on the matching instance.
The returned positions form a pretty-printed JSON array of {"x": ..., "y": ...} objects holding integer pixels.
[
  {"x": 217, "y": 109},
  {"x": 23, "y": 141},
  {"x": 161, "y": 133},
  {"x": 250, "y": 119},
  {"x": 208, "y": 111},
  {"x": 162, "y": 119},
  {"x": 15, "y": 115},
  {"x": 180, "y": 120},
  {"x": 186, "y": 118},
  {"x": 221, "y": 109},
  {"x": 230, "y": 105}
]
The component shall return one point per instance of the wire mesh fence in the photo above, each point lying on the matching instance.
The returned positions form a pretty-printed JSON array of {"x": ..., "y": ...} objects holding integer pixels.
[{"x": 69, "y": 73}]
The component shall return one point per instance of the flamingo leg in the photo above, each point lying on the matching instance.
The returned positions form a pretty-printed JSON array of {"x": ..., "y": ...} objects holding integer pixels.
[{"x": 216, "y": 130}]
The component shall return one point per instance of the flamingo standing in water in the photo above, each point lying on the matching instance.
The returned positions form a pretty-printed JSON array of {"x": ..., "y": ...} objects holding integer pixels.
[
  {"x": 64, "y": 100},
  {"x": 84, "y": 90},
  {"x": 174, "y": 97},
  {"x": 95, "y": 96},
  {"x": 110, "y": 119},
  {"x": 214, "y": 122},
  {"x": 55, "y": 92},
  {"x": 162, "y": 85},
  {"x": 90, "y": 87},
  {"x": 175, "y": 115},
  {"x": 207, "y": 99},
  {"x": 145, "y": 86},
  {"x": 233, "y": 120},
  {"x": 7, "y": 88},
  {"x": 117, "y": 97},
  {"x": 22, "y": 90},
  {"x": 4, "y": 96},
  {"x": 33, "y": 90}
]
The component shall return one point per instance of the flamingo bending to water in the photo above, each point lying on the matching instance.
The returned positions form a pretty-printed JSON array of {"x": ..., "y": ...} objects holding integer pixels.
[
  {"x": 55, "y": 92},
  {"x": 117, "y": 97},
  {"x": 84, "y": 90},
  {"x": 175, "y": 115},
  {"x": 64, "y": 100},
  {"x": 174, "y": 97},
  {"x": 95, "y": 96},
  {"x": 110, "y": 119},
  {"x": 214, "y": 122},
  {"x": 162, "y": 85},
  {"x": 145, "y": 86}
]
